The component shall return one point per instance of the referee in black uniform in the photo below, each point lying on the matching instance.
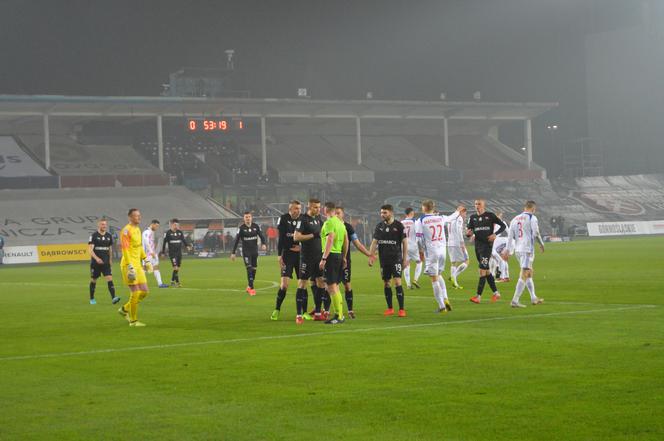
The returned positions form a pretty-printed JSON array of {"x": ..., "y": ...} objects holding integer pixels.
[{"x": 482, "y": 226}]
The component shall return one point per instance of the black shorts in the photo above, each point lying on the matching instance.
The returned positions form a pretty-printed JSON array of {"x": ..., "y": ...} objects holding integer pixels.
[
  {"x": 483, "y": 254},
  {"x": 333, "y": 268},
  {"x": 251, "y": 260},
  {"x": 97, "y": 269},
  {"x": 291, "y": 264},
  {"x": 391, "y": 270},
  {"x": 176, "y": 260},
  {"x": 309, "y": 269}
]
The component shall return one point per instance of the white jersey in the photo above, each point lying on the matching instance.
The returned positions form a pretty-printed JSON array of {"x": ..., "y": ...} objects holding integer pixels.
[
  {"x": 524, "y": 229},
  {"x": 149, "y": 243},
  {"x": 432, "y": 231},
  {"x": 410, "y": 229},
  {"x": 456, "y": 237}
]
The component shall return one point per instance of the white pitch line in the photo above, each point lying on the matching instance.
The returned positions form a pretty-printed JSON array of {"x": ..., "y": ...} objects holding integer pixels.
[{"x": 311, "y": 334}]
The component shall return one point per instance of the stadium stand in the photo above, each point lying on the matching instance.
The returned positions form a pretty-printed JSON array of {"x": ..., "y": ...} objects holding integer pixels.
[
  {"x": 82, "y": 165},
  {"x": 69, "y": 215},
  {"x": 20, "y": 169}
]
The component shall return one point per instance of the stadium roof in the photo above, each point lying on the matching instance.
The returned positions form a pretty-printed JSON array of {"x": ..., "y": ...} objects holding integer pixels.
[{"x": 91, "y": 106}]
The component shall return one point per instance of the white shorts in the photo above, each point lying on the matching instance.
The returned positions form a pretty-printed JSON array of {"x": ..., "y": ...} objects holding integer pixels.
[
  {"x": 457, "y": 254},
  {"x": 153, "y": 260},
  {"x": 525, "y": 260},
  {"x": 434, "y": 264},
  {"x": 414, "y": 254}
]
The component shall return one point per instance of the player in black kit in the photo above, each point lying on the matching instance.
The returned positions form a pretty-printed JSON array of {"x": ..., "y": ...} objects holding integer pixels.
[
  {"x": 392, "y": 244},
  {"x": 288, "y": 251},
  {"x": 482, "y": 226},
  {"x": 174, "y": 240},
  {"x": 249, "y": 233},
  {"x": 99, "y": 246},
  {"x": 307, "y": 233}
]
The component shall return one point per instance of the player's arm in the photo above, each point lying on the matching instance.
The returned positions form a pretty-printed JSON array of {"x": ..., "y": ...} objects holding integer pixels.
[
  {"x": 236, "y": 243},
  {"x": 328, "y": 246},
  {"x": 404, "y": 251},
  {"x": 262, "y": 238},
  {"x": 300, "y": 236},
  {"x": 283, "y": 235},
  {"x": 534, "y": 225},
  {"x": 125, "y": 242},
  {"x": 500, "y": 223},
  {"x": 511, "y": 239},
  {"x": 470, "y": 227},
  {"x": 91, "y": 250},
  {"x": 164, "y": 244},
  {"x": 345, "y": 249},
  {"x": 373, "y": 248},
  {"x": 359, "y": 245}
]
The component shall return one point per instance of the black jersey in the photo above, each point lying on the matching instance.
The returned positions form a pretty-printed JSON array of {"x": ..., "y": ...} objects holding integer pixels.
[
  {"x": 482, "y": 226},
  {"x": 102, "y": 244},
  {"x": 249, "y": 236},
  {"x": 390, "y": 238},
  {"x": 310, "y": 225},
  {"x": 174, "y": 240},
  {"x": 286, "y": 227},
  {"x": 350, "y": 233}
]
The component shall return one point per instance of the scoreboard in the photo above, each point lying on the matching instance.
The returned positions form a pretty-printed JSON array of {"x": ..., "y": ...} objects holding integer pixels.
[{"x": 215, "y": 125}]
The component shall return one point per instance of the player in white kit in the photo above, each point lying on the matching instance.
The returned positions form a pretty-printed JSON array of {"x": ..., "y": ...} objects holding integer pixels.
[
  {"x": 524, "y": 231},
  {"x": 150, "y": 247},
  {"x": 499, "y": 264},
  {"x": 434, "y": 245},
  {"x": 456, "y": 248},
  {"x": 410, "y": 226}
]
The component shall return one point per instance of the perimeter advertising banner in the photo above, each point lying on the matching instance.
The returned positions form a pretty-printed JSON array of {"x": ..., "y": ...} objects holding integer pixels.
[
  {"x": 23, "y": 254},
  {"x": 625, "y": 228},
  {"x": 62, "y": 252}
]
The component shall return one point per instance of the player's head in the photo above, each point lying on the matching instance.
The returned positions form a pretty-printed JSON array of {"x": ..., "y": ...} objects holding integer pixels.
[
  {"x": 154, "y": 225},
  {"x": 463, "y": 212},
  {"x": 409, "y": 212},
  {"x": 247, "y": 217},
  {"x": 102, "y": 225},
  {"x": 530, "y": 206},
  {"x": 314, "y": 207},
  {"x": 480, "y": 205},
  {"x": 387, "y": 212},
  {"x": 134, "y": 216},
  {"x": 175, "y": 223},
  {"x": 340, "y": 212},
  {"x": 294, "y": 208},
  {"x": 428, "y": 206},
  {"x": 330, "y": 209}
]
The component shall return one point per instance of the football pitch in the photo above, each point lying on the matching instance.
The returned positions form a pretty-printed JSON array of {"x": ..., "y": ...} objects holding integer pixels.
[{"x": 211, "y": 365}]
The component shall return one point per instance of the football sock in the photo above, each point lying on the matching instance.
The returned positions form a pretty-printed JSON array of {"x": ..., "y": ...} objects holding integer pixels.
[
  {"x": 300, "y": 295},
  {"x": 388, "y": 296},
  {"x": 443, "y": 288},
  {"x": 157, "y": 275},
  {"x": 327, "y": 301},
  {"x": 520, "y": 285},
  {"x": 492, "y": 283},
  {"x": 338, "y": 304},
  {"x": 505, "y": 270},
  {"x": 453, "y": 272},
  {"x": 418, "y": 270},
  {"x": 531, "y": 288},
  {"x": 132, "y": 306},
  {"x": 142, "y": 295},
  {"x": 281, "y": 295},
  {"x": 305, "y": 303},
  {"x": 250, "y": 277},
  {"x": 461, "y": 268},
  {"x": 437, "y": 295},
  {"x": 406, "y": 275},
  {"x": 318, "y": 300},
  {"x": 174, "y": 276},
  {"x": 400, "y": 299},
  {"x": 111, "y": 289},
  {"x": 349, "y": 299},
  {"x": 93, "y": 285},
  {"x": 480, "y": 285}
]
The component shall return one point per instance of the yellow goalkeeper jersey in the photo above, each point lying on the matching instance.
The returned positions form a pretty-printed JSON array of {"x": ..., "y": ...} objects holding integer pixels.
[{"x": 132, "y": 246}]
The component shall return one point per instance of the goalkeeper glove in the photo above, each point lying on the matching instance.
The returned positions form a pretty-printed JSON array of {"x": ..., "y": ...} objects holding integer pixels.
[
  {"x": 131, "y": 273},
  {"x": 148, "y": 267}
]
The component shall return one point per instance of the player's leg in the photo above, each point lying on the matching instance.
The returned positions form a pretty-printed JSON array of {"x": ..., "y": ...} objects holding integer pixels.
[
  {"x": 397, "y": 271},
  {"x": 406, "y": 276},
  {"x": 483, "y": 263},
  {"x": 442, "y": 286},
  {"x": 418, "y": 270},
  {"x": 157, "y": 272},
  {"x": 332, "y": 274},
  {"x": 386, "y": 276},
  {"x": 530, "y": 284},
  {"x": 93, "y": 285},
  {"x": 520, "y": 285},
  {"x": 348, "y": 291},
  {"x": 111, "y": 287},
  {"x": 326, "y": 296}
]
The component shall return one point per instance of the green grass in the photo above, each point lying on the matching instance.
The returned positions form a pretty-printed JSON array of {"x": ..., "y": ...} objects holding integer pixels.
[{"x": 587, "y": 365}]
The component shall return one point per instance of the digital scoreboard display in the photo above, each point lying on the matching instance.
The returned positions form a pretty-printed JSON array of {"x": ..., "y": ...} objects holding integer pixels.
[{"x": 214, "y": 125}]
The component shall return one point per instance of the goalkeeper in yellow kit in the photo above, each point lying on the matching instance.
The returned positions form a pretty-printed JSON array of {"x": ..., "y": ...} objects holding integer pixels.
[{"x": 131, "y": 265}]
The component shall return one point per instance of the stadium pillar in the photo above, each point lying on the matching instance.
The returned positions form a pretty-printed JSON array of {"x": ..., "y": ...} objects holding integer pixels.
[
  {"x": 446, "y": 143},
  {"x": 160, "y": 142},
  {"x": 263, "y": 147},
  {"x": 358, "y": 135},
  {"x": 528, "y": 137},
  {"x": 47, "y": 143}
]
